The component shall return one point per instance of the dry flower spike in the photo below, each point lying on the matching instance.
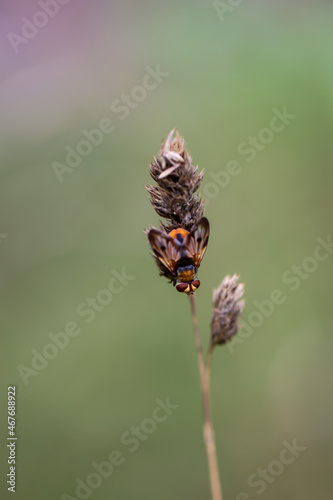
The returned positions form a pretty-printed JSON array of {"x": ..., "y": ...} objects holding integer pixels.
[
  {"x": 179, "y": 246},
  {"x": 227, "y": 308},
  {"x": 177, "y": 181}
]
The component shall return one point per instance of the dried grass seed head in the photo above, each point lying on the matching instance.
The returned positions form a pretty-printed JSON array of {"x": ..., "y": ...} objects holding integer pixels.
[
  {"x": 227, "y": 308},
  {"x": 177, "y": 181}
]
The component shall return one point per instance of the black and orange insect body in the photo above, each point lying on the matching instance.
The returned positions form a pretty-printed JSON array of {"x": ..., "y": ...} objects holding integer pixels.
[{"x": 180, "y": 253}]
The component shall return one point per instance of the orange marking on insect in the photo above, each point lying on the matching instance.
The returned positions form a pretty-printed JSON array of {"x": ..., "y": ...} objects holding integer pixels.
[
  {"x": 179, "y": 234},
  {"x": 187, "y": 275}
]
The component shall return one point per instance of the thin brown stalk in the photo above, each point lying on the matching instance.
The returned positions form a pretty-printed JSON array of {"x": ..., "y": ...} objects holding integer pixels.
[{"x": 209, "y": 436}]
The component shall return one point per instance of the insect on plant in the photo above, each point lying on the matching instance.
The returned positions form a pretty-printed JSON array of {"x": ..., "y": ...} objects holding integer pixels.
[
  {"x": 181, "y": 252},
  {"x": 178, "y": 247}
]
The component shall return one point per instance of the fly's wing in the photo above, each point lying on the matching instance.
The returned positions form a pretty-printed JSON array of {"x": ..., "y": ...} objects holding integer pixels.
[
  {"x": 197, "y": 240},
  {"x": 165, "y": 249}
]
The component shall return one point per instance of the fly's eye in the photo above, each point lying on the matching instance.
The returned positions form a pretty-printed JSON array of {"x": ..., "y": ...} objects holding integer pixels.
[
  {"x": 196, "y": 283},
  {"x": 181, "y": 287}
]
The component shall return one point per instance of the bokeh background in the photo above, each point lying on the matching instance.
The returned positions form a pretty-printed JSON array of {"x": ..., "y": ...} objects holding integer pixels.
[{"x": 224, "y": 73}]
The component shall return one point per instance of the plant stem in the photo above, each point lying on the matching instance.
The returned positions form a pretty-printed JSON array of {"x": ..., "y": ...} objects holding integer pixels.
[{"x": 209, "y": 437}]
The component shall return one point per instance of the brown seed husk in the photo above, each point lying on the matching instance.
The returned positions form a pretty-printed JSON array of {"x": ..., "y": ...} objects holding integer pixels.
[
  {"x": 227, "y": 308},
  {"x": 177, "y": 181}
]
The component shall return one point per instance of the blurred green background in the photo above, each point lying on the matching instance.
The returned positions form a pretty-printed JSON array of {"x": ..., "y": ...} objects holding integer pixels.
[{"x": 61, "y": 242}]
